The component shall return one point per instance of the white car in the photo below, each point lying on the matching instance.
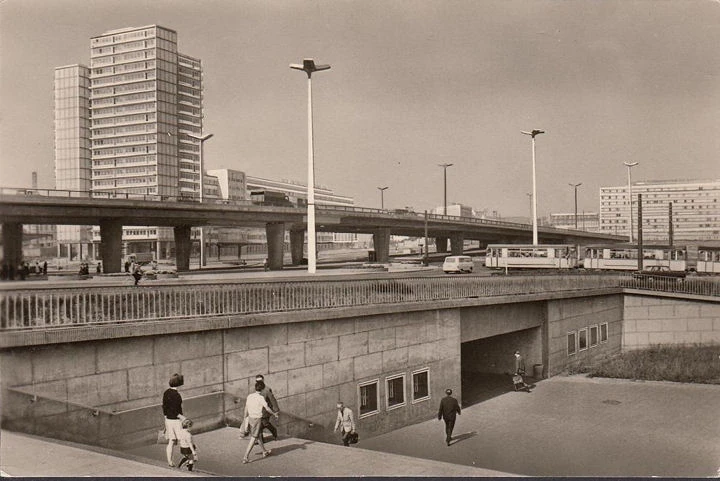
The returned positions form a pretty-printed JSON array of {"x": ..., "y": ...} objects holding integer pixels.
[{"x": 458, "y": 264}]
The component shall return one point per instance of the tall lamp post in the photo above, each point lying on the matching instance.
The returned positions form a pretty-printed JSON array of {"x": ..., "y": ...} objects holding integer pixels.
[
  {"x": 308, "y": 66},
  {"x": 382, "y": 197},
  {"x": 575, "y": 186},
  {"x": 629, "y": 166},
  {"x": 202, "y": 140},
  {"x": 445, "y": 166},
  {"x": 534, "y": 133}
]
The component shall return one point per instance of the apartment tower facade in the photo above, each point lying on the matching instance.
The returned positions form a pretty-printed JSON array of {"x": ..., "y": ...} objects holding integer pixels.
[{"x": 142, "y": 104}]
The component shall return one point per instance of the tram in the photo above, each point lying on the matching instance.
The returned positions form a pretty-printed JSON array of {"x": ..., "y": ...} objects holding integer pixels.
[
  {"x": 528, "y": 256},
  {"x": 708, "y": 261},
  {"x": 623, "y": 257}
]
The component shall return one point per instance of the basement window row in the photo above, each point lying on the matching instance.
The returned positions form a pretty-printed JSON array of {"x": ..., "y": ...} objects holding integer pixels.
[
  {"x": 395, "y": 393},
  {"x": 586, "y": 338}
]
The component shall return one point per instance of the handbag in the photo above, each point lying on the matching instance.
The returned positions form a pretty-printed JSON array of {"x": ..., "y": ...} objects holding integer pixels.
[
  {"x": 353, "y": 437},
  {"x": 162, "y": 437}
]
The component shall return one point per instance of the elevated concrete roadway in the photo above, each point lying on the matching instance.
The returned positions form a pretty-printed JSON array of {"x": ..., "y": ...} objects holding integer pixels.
[{"x": 111, "y": 214}]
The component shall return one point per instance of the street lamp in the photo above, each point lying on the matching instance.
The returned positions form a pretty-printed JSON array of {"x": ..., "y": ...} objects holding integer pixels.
[
  {"x": 308, "y": 66},
  {"x": 530, "y": 197},
  {"x": 202, "y": 140},
  {"x": 629, "y": 166},
  {"x": 575, "y": 186},
  {"x": 533, "y": 133},
  {"x": 382, "y": 197},
  {"x": 445, "y": 166}
]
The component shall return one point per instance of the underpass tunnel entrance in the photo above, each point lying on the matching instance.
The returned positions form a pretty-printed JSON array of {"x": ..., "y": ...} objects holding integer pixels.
[{"x": 487, "y": 364}]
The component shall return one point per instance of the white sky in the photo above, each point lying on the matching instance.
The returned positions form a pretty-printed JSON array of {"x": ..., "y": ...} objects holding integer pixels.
[{"x": 413, "y": 83}]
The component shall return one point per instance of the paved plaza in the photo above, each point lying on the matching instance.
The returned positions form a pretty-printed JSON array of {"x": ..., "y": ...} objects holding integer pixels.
[
  {"x": 578, "y": 426},
  {"x": 567, "y": 426}
]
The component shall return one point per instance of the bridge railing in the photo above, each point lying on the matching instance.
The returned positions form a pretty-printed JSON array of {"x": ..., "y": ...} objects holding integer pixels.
[
  {"x": 51, "y": 308},
  {"x": 701, "y": 286}
]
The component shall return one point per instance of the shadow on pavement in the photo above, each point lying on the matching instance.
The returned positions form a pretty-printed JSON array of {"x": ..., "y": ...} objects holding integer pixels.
[
  {"x": 462, "y": 437},
  {"x": 478, "y": 387},
  {"x": 290, "y": 447}
]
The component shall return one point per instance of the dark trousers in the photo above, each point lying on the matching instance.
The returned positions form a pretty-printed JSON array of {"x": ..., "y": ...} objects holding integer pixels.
[
  {"x": 345, "y": 437},
  {"x": 449, "y": 426},
  {"x": 266, "y": 424}
]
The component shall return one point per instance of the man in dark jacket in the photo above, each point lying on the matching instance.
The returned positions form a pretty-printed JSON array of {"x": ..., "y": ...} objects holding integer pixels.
[
  {"x": 267, "y": 393},
  {"x": 449, "y": 407}
]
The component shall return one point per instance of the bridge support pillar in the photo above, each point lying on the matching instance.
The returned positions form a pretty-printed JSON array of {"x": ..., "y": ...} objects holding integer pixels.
[
  {"x": 297, "y": 242},
  {"x": 456, "y": 243},
  {"x": 381, "y": 244},
  {"x": 111, "y": 245},
  {"x": 183, "y": 245},
  {"x": 441, "y": 244},
  {"x": 275, "y": 232},
  {"x": 12, "y": 237}
]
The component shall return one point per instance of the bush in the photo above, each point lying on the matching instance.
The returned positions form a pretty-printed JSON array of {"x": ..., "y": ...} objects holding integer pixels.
[{"x": 694, "y": 364}]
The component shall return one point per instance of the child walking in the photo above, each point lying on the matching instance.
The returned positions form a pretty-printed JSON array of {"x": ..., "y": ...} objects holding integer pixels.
[{"x": 187, "y": 446}]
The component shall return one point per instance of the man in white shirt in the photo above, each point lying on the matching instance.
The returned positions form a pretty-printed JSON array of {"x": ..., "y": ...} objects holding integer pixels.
[{"x": 254, "y": 406}]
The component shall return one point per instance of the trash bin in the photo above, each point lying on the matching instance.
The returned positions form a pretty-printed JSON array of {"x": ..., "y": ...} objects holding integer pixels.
[
  {"x": 372, "y": 256},
  {"x": 538, "y": 371}
]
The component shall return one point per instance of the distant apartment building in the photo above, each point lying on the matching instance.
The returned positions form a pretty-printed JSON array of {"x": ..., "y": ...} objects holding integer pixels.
[
  {"x": 586, "y": 221},
  {"x": 695, "y": 210},
  {"x": 455, "y": 209},
  {"x": 124, "y": 125},
  {"x": 73, "y": 164}
]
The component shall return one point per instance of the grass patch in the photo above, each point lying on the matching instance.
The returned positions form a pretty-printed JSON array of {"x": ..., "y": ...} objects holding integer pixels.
[{"x": 692, "y": 364}]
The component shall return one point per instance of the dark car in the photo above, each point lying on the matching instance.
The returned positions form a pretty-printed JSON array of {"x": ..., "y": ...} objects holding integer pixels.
[{"x": 659, "y": 272}]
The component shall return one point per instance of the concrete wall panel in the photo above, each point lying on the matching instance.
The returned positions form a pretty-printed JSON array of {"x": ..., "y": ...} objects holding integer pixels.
[
  {"x": 193, "y": 345},
  {"x": 286, "y": 357},
  {"x": 304, "y": 379},
  {"x": 322, "y": 401},
  {"x": 395, "y": 359},
  {"x": 321, "y": 351},
  {"x": 368, "y": 365},
  {"x": 263, "y": 336},
  {"x": 132, "y": 352},
  {"x": 381, "y": 339},
  {"x": 353, "y": 345},
  {"x": 202, "y": 372},
  {"x": 64, "y": 361},
  {"x": 237, "y": 340},
  {"x": 337, "y": 372},
  {"x": 98, "y": 389},
  {"x": 247, "y": 363}
]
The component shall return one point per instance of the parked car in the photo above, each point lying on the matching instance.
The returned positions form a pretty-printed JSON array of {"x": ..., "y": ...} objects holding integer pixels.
[
  {"x": 458, "y": 264},
  {"x": 659, "y": 272}
]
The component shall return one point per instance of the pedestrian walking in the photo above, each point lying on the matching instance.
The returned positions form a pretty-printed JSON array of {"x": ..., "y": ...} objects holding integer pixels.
[
  {"x": 172, "y": 410},
  {"x": 254, "y": 406},
  {"x": 136, "y": 273},
  {"x": 44, "y": 268},
  {"x": 449, "y": 408},
  {"x": 266, "y": 265},
  {"x": 346, "y": 421},
  {"x": 518, "y": 381},
  {"x": 187, "y": 446},
  {"x": 269, "y": 397}
]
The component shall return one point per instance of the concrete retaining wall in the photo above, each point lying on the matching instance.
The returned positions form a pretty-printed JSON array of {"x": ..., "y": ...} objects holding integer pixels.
[
  {"x": 309, "y": 365},
  {"x": 666, "y": 320},
  {"x": 573, "y": 315}
]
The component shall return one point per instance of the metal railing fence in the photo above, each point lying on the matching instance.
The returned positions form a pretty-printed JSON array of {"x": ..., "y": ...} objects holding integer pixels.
[
  {"x": 700, "y": 286},
  {"x": 48, "y": 308}
]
